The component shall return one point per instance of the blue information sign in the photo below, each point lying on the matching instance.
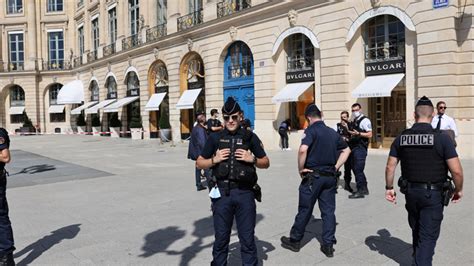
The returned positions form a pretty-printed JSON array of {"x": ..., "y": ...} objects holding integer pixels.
[{"x": 440, "y": 3}]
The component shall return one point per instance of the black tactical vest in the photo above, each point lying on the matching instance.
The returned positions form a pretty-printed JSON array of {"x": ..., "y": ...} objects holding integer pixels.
[
  {"x": 420, "y": 160},
  {"x": 233, "y": 169},
  {"x": 358, "y": 141},
  {"x": 342, "y": 131}
]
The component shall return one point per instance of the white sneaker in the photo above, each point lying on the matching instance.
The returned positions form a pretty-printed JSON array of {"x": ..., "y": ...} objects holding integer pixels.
[{"x": 288, "y": 149}]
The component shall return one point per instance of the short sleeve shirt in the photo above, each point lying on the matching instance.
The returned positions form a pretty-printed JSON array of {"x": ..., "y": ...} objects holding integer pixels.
[
  {"x": 365, "y": 124},
  {"x": 212, "y": 144}
]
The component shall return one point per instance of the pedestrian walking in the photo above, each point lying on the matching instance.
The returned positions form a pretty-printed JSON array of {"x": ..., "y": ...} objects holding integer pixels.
[
  {"x": 284, "y": 130},
  {"x": 196, "y": 144},
  {"x": 322, "y": 152},
  {"x": 6, "y": 233},
  {"x": 425, "y": 156},
  {"x": 444, "y": 122},
  {"x": 343, "y": 128},
  {"x": 213, "y": 123},
  {"x": 233, "y": 155},
  {"x": 361, "y": 132}
]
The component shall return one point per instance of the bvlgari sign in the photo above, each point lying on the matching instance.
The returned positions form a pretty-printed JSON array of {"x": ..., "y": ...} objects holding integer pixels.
[
  {"x": 300, "y": 76},
  {"x": 385, "y": 67}
]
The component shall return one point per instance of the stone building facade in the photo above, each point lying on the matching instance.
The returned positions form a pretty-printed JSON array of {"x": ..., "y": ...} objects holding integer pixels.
[{"x": 160, "y": 61}]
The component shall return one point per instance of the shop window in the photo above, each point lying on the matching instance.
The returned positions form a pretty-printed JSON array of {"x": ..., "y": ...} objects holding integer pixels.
[
  {"x": 133, "y": 85},
  {"x": 94, "y": 91},
  {"x": 53, "y": 100},
  {"x": 111, "y": 88},
  {"x": 384, "y": 39},
  {"x": 300, "y": 53},
  {"x": 17, "y": 96},
  {"x": 17, "y": 119},
  {"x": 296, "y": 110}
]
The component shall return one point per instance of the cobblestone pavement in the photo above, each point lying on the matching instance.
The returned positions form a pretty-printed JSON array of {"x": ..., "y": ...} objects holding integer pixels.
[{"x": 99, "y": 201}]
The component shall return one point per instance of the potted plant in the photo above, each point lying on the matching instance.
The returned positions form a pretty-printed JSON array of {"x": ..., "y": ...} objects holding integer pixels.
[
  {"x": 165, "y": 128},
  {"x": 95, "y": 125},
  {"x": 115, "y": 124},
  {"x": 27, "y": 125},
  {"x": 81, "y": 123},
  {"x": 136, "y": 127}
]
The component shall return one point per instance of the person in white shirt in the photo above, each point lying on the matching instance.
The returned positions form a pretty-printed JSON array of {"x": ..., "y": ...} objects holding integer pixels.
[{"x": 442, "y": 121}]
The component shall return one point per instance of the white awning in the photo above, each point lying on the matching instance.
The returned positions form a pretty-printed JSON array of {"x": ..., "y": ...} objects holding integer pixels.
[
  {"x": 71, "y": 93},
  {"x": 291, "y": 92},
  {"x": 113, "y": 108},
  {"x": 155, "y": 100},
  {"x": 94, "y": 109},
  {"x": 79, "y": 109},
  {"x": 16, "y": 110},
  {"x": 187, "y": 99},
  {"x": 377, "y": 86},
  {"x": 56, "y": 109}
]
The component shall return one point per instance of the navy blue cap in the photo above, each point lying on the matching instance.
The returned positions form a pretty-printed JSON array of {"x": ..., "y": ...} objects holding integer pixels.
[
  {"x": 312, "y": 108},
  {"x": 231, "y": 106},
  {"x": 424, "y": 101}
]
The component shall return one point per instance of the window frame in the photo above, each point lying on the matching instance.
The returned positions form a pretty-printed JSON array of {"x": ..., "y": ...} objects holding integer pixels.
[
  {"x": 19, "y": 53},
  {"x": 14, "y": 7},
  {"x": 58, "y": 42},
  {"x": 17, "y": 96},
  {"x": 134, "y": 16},
  {"x": 162, "y": 12},
  {"x": 55, "y": 6},
  {"x": 375, "y": 41},
  {"x": 112, "y": 21},
  {"x": 95, "y": 34},
  {"x": 80, "y": 36},
  {"x": 300, "y": 53}
]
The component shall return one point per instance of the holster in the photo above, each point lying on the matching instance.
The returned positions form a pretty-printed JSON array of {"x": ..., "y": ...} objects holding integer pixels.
[
  {"x": 257, "y": 190},
  {"x": 403, "y": 184},
  {"x": 448, "y": 191}
]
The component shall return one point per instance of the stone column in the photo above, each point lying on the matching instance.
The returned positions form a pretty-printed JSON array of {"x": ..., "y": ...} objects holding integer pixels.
[{"x": 31, "y": 35}]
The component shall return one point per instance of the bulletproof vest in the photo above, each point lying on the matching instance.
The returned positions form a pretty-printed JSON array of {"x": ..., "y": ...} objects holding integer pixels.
[
  {"x": 233, "y": 169},
  {"x": 420, "y": 161},
  {"x": 358, "y": 141},
  {"x": 342, "y": 131}
]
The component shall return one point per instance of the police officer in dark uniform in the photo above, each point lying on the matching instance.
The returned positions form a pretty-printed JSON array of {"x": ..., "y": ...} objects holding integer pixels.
[
  {"x": 343, "y": 128},
  {"x": 321, "y": 154},
  {"x": 6, "y": 233},
  {"x": 233, "y": 155},
  {"x": 426, "y": 155}
]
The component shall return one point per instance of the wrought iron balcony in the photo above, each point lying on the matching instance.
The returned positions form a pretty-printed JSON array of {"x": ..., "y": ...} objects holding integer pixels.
[
  {"x": 77, "y": 61},
  {"x": 59, "y": 64},
  {"x": 190, "y": 20},
  {"x": 298, "y": 63},
  {"x": 227, "y": 7},
  {"x": 108, "y": 50},
  {"x": 155, "y": 33},
  {"x": 131, "y": 41},
  {"x": 239, "y": 71},
  {"x": 91, "y": 56},
  {"x": 13, "y": 66}
]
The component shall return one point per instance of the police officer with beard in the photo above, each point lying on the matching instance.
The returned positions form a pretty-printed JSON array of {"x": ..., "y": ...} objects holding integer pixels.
[
  {"x": 233, "y": 154},
  {"x": 425, "y": 155},
  {"x": 6, "y": 233}
]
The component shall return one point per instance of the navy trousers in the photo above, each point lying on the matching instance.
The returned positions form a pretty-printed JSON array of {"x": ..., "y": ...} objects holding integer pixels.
[
  {"x": 6, "y": 232},
  {"x": 425, "y": 213},
  {"x": 358, "y": 156},
  {"x": 322, "y": 189},
  {"x": 347, "y": 169},
  {"x": 239, "y": 203}
]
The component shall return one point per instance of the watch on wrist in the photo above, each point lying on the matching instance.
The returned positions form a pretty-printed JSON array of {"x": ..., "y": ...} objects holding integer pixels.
[
  {"x": 254, "y": 160},
  {"x": 388, "y": 187}
]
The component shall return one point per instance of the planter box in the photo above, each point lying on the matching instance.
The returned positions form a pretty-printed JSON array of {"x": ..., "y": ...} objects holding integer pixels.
[
  {"x": 136, "y": 133},
  {"x": 165, "y": 134},
  {"x": 115, "y": 132},
  {"x": 96, "y": 131},
  {"x": 26, "y": 131}
]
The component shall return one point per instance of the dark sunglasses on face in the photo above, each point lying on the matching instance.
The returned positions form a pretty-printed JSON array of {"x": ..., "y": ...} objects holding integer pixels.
[
  {"x": 442, "y": 107},
  {"x": 227, "y": 117}
]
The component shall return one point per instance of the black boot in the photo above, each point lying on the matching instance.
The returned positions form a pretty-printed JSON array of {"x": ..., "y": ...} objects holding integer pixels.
[
  {"x": 7, "y": 260},
  {"x": 328, "y": 250},
  {"x": 347, "y": 187},
  {"x": 359, "y": 194},
  {"x": 365, "y": 191},
  {"x": 290, "y": 244}
]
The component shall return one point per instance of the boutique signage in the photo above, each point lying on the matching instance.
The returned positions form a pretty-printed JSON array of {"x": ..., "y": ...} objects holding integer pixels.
[
  {"x": 385, "y": 67},
  {"x": 300, "y": 76}
]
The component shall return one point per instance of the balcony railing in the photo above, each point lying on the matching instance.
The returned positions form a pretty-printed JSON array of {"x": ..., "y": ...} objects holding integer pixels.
[
  {"x": 57, "y": 65},
  {"x": 77, "y": 61},
  {"x": 91, "y": 56},
  {"x": 226, "y": 8},
  {"x": 190, "y": 20},
  {"x": 155, "y": 33},
  {"x": 109, "y": 50},
  {"x": 13, "y": 66},
  {"x": 130, "y": 42},
  {"x": 239, "y": 71},
  {"x": 298, "y": 63}
]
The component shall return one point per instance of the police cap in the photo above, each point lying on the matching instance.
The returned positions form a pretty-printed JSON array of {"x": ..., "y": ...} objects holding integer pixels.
[
  {"x": 230, "y": 107},
  {"x": 312, "y": 110},
  {"x": 424, "y": 101}
]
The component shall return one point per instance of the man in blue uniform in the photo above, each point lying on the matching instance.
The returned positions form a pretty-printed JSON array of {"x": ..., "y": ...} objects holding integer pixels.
[
  {"x": 342, "y": 129},
  {"x": 6, "y": 233},
  {"x": 233, "y": 155},
  {"x": 425, "y": 155},
  {"x": 321, "y": 154}
]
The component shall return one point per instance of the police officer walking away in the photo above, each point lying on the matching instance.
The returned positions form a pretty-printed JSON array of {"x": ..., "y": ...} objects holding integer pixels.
[
  {"x": 321, "y": 154},
  {"x": 6, "y": 232},
  {"x": 233, "y": 155},
  {"x": 425, "y": 155},
  {"x": 361, "y": 132}
]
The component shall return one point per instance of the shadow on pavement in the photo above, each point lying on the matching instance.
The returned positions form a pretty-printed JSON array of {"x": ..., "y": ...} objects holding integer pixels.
[
  {"x": 160, "y": 240},
  {"x": 35, "y": 169},
  {"x": 37, "y": 248},
  {"x": 389, "y": 246},
  {"x": 263, "y": 248}
]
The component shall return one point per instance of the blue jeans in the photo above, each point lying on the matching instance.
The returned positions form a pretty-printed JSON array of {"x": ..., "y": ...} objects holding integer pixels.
[
  {"x": 6, "y": 232},
  {"x": 198, "y": 176},
  {"x": 239, "y": 203},
  {"x": 322, "y": 189},
  {"x": 425, "y": 213},
  {"x": 358, "y": 156}
]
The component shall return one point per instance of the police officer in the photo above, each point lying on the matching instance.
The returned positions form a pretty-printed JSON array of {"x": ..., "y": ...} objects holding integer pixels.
[
  {"x": 426, "y": 155},
  {"x": 6, "y": 232},
  {"x": 321, "y": 154},
  {"x": 343, "y": 129},
  {"x": 233, "y": 155},
  {"x": 361, "y": 132},
  {"x": 213, "y": 123}
]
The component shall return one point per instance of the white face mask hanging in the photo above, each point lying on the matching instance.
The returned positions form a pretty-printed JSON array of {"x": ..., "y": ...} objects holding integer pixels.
[{"x": 215, "y": 193}]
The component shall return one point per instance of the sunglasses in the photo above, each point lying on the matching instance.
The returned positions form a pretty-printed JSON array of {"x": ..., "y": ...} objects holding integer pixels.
[
  {"x": 227, "y": 117},
  {"x": 442, "y": 107}
]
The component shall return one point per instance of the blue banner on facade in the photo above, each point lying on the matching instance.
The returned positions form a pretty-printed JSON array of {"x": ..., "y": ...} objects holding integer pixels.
[{"x": 440, "y": 3}]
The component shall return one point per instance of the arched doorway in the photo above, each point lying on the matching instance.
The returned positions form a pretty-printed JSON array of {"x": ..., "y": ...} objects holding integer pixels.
[
  {"x": 239, "y": 78},
  {"x": 158, "y": 105},
  {"x": 133, "y": 108},
  {"x": 94, "y": 97},
  {"x": 111, "y": 87},
  {"x": 192, "y": 88},
  {"x": 56, "y": 115}
]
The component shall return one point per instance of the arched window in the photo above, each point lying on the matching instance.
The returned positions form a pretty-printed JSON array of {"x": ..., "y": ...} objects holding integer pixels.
[
  {"x": 133, "y": 84},
  {"x": 300, "y": 53},
  {"x": 94, "y": 88},
  {"x": 17, "y": 96},
  {"x": 241, "y": 61},
  {"x": 384, "y": 38},
  {"x": 111, "y": 88},
  {"x": 53, "y": 100}
]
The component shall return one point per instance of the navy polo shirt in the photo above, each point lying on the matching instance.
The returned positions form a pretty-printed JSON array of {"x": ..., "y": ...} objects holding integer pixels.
[{"x": 324, "y": 146}]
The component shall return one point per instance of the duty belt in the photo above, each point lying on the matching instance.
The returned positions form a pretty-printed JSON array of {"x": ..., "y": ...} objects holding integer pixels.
[
  {"x": 228, "y": 184},
  {"x": 436, "y": 186},
  {"x": 323, "y": 173}
]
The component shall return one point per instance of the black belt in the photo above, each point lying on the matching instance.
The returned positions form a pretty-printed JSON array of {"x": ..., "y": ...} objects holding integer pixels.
[
  {"x": 437, "y": 186},
  {"x": 227, "y": 184},
  {"x": 322, "y": 173}
]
